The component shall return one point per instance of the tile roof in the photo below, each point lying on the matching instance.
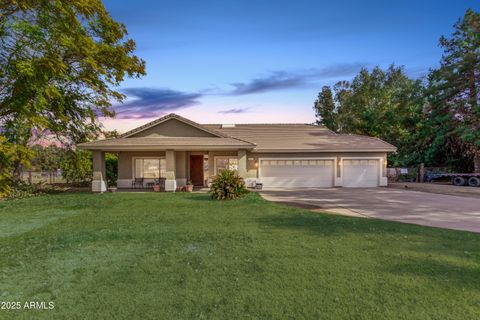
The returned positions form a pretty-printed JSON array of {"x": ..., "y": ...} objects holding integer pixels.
[
  {"x": 300, "y": 137},
  {"x": 163, "y": 143},
  {"x": 268, "y": 137}
]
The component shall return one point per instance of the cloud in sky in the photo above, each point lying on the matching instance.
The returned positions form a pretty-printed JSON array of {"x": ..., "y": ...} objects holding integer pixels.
[
  {"x": 278, "y": 80},
  {"x": 153, "y": 102},
  {"x": 234, "y": 110},
  {"x": 147, "y": 102}
]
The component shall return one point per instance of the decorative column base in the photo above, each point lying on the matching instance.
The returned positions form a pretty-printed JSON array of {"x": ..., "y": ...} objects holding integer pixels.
[
  {"x": 170, "y": 185},
  {"x": 99, "y": 186}
]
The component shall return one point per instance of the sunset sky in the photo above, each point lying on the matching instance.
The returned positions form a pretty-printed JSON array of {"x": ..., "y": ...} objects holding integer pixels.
[{"x": 265, "y": 61}]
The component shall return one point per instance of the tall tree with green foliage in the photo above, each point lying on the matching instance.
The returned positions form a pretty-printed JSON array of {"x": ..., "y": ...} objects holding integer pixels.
[
  {"x": 47, "y": 158},
  {"x": 380, "y": 103},
  {"x": 10, "y": 155},
  {"x": 60, "y": 62},
  {"x": 454, "y": 92},
  {"x": 324, "y": 108}
]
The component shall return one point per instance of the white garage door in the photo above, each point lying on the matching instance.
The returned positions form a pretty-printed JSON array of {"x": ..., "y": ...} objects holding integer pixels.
[
  {"x": 360, "y": 173},
  {"x": 285, "y": 173}
]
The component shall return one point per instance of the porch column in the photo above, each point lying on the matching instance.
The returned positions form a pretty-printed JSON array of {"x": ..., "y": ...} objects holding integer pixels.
[
  {"x": 181, "y": 168},
  {"x": 170, "y": 160},
  {"x": 170, "y": 182},
  {"x": 99, "y": 183},
  {"x": 211, "y": 165},
  {"x": 242, "y": 163}
]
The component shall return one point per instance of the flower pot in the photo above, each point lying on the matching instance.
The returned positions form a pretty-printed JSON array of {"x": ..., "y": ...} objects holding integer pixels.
[
  {"x": 156, "y": 188},
  {"x": 189, "y": 187}
]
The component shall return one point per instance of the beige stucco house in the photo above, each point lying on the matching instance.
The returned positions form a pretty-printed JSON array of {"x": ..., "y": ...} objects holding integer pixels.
[{"x": 277, "y": 155}]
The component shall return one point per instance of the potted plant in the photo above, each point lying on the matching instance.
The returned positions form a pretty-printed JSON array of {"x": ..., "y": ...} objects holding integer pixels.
[
  {"x": 156, "y": 186},
  {"x": 189, "y": 186}
]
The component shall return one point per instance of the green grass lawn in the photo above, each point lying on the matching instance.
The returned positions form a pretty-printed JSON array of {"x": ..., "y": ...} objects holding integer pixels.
[{"x": 183, "y": 256}]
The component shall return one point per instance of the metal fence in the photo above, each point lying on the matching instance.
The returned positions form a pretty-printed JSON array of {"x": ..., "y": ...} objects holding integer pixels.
[
  {"x": 402, "y": 174},
  {"x": 412, "y": 174},
  {"x": 48, "y": 177}
]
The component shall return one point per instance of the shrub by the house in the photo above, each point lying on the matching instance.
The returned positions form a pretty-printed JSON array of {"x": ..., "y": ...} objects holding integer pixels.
[
  {"x": 77, "y": 167},
  {"x": 228, "y": 185}
]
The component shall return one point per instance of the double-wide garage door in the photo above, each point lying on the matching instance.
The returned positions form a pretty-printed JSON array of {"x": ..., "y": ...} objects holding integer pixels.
[
  {"x": 320, "y": 173},
  {"x": 297, "y": 173}
]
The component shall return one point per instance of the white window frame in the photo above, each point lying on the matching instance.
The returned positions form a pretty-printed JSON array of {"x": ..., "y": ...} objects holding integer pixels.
[
  {"x": 140, "y": 157},
  {"x": 222, "y": 157}
]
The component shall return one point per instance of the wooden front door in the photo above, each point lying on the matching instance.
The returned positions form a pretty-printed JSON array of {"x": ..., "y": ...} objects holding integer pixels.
[{"x": 196, "y": 169}]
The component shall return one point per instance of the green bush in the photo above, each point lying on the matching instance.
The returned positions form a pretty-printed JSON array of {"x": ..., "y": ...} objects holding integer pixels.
[
  {"x": 77, "y": 167},
  {"x": 12, "y": 157},
  {"x": 228, "y": 185},
  {"x": 111, "y": 169},
  {"x": 20, "y": 189}
]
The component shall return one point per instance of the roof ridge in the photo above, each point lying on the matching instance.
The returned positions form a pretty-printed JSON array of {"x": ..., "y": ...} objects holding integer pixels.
[
  {"x": 365, "y": 136},
  {"x": 267, "y": 123},
  {"x": 252, "y": 143}
]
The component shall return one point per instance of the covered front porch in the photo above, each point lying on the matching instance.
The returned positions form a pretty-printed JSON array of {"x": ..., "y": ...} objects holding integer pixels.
[{"x": 140, "y": 169}]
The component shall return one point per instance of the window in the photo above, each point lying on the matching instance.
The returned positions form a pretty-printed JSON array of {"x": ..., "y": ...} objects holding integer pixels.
[
  {"x": 226, "y": 163},
  {"x": 150, "y": 168}
]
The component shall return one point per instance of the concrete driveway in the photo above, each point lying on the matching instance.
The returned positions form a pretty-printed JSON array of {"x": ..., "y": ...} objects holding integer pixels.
[{"x": 436, "y": 210}]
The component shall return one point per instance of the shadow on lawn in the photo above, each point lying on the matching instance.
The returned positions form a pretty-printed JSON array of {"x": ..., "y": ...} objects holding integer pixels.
[
  {"x": 331, "y": 224},
  {"x": 392, "y": 238},
  {"x": 442, "y": 272}
]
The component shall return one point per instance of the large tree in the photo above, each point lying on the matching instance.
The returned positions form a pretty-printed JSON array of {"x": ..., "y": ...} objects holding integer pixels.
[
  {"x": 60, "y": 64},
  {"x": 454, "y": 97},
  {"x": 379, "y": 103},
  {"x": 324, "y": 108}
]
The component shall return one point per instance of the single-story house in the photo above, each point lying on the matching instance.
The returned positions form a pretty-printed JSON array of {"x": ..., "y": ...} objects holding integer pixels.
[{"x": 276, "y": 155}]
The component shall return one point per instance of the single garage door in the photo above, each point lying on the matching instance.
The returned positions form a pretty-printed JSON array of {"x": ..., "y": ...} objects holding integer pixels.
[
  {"x": 286, "y": 173},
  {"x": 360, "y": 173}
]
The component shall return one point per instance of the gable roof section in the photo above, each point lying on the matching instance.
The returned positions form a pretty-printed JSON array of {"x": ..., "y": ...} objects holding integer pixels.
[{"x": 168, "y": 117}]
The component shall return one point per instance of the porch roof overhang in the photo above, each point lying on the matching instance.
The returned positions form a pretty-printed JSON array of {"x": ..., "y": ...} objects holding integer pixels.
[{"x": 167, "y": 143}]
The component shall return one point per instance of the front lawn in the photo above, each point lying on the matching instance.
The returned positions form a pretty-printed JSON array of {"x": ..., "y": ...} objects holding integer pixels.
[{"x": 182, "y": 256}]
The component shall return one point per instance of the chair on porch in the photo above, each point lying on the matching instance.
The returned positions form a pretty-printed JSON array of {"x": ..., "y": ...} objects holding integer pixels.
[
  {"x": 161, "y": 182},
  {"x": 137, "y": 182}
]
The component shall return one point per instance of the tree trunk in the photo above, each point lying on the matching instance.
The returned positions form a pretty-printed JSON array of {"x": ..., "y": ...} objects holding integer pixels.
[
  {"x": 473, "y": 89},
  {"x": 421, "y": 173},
  {"x": 476, "y": 162},
  {"x": 17, "y": 170}
]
